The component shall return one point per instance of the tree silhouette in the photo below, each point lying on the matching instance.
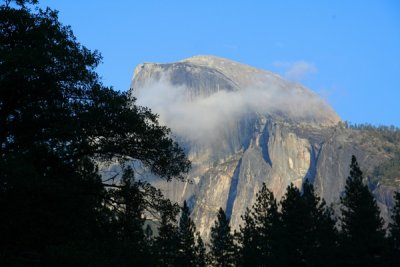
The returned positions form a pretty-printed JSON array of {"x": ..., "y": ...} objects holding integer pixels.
[
  {"x": 247, "y": 240},
  {"x": 308, "y": 235},
  {"x": 186, "y": 239},
  {"x": 128, "y": 204},
  {"x": 221, "y": 242},
  {"x": 321, "y": 233},
  {"x": 260, "y": 234},
  {"x": 58, "y": 123},
  {"x": 295, "y": 222},
  {"x": 362, "y": 233},
  {"x": 166, "y": 243},
  {"x": 201, "y": 255},
  {"x": 394, "y": 232}
]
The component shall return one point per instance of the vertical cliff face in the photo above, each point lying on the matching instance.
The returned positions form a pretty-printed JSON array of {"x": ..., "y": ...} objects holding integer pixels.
[{"x": 242, "y": 127}]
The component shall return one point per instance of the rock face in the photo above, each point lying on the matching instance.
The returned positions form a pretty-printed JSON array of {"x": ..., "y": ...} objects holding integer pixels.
[{"x": 242, "y": 127}]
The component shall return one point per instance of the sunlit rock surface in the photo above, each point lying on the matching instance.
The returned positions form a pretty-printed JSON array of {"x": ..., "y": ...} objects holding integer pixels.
[{"x": 242, "y": 127}]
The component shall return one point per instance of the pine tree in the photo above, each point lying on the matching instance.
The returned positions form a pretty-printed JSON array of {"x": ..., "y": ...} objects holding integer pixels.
[
  {"x": 201, "y": 255},
  {"x": 321, "y": 234},
  {"x": 166, "y": 243},
  {"x": 247, "y": 240},
  {"x": 259, "y": 236},
  {"x": 295, "y": 222},
  {"x": 129, "y": 221},
  {"x": 186, "y": 239},
  {"x": 308, "y": 234},
  {"x": 394, "y": 232},
  {"x": 362, "y": 233},
  {"x": 222, "y": 247}
]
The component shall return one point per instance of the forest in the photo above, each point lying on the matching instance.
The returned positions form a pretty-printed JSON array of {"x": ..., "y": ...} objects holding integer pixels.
[{"x": 58, "y": 123}]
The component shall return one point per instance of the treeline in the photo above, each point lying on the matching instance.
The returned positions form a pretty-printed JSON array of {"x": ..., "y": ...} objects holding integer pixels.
[
  {"x": 371, "y": 127},
  {"x": 389, "y": 134},
  {"x": 300, "y": 230}
]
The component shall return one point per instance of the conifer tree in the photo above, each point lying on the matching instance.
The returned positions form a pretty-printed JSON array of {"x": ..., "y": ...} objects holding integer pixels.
[
  {"x": 394, "y": 226},
  {"x": 308, "y": 234},
  {"x": 259, "y": 236},
  {"x": 321, "y": 234},
  {"x": 394, "y": 232},
  {"x": 200, "y": 249},
  {"x": 222, "y": 247},
  {"x": 166, "y": 243},
  {"x": 362, "y": 233},
  {"x": 129, "y": 220},
  {"x": 294, "y": 228},
  {"x": 186, "y": 239},
  {"x": 247, "y": 240}
]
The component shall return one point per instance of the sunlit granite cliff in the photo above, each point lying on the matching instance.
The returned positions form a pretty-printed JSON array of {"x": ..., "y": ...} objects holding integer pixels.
[{"x": 243, "y": 126}]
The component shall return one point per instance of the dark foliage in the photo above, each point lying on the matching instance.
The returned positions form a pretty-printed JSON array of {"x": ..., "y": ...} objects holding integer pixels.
[
  {"x": 394, "y": 233},
  {"x": 260, "y": 234},
  {"x": 166, "y": 243},
  {"x": 186, "y": 239},
  {"x": 363, "y": 238},
  {"x": 308, "y": 231},
  {"x": 201, "y": 254},
  {"x": 222, "y": 250},
  {"x": 57, "y": 122}
]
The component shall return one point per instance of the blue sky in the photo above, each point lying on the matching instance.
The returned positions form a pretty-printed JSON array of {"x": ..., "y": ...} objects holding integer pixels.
[{"x": 347, "y": 51}]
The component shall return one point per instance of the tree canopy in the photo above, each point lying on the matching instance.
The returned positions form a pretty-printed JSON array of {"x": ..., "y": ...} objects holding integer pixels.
[
  {"x": 362, "y": 227},
  {"x": 58, "y": 122},
  {"x": 222, "y": 250}
]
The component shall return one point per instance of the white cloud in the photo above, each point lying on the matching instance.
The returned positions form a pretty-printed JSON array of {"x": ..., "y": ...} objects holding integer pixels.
[
  {"x": 296, "y": 71},
  {"x": 204, "y": 118}
]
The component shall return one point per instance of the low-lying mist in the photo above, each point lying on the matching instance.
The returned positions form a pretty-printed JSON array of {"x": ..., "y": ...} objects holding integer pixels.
[{"x": 200, "y": 119}]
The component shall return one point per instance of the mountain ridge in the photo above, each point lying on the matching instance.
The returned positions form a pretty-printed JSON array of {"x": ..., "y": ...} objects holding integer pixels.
[{"x": 242, "y": 129}]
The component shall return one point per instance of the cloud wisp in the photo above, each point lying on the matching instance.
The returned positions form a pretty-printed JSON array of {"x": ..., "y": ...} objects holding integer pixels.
[
  {"x": 296, "y": 71},
  {"x": 202, "y": 119}
]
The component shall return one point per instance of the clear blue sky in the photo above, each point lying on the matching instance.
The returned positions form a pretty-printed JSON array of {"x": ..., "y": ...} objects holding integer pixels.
[{"x": 347, "y": 51}]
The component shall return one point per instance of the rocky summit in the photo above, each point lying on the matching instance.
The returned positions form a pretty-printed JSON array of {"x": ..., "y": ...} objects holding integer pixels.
[{"x": 242, "y": 126}]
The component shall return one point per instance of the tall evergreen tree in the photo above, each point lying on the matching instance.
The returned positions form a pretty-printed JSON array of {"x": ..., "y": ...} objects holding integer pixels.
[
  {"x": 221, "y": 242},
  {"x": 186, "y": 239},
  {"x": 362, "y": 233},
  {"x": 259, "y": 236},
  {"x": 129, "y": 221},
  {"x": 295, "y": 222},
  {"x": 166, "y": 243},
  {"x": 200, "y": 249},
  {"x": 247, "y": 241},
  {"x": 394, "y": 232},
  {"x": 321, "y": 234},
  {"x": 308, "y": 234}
]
